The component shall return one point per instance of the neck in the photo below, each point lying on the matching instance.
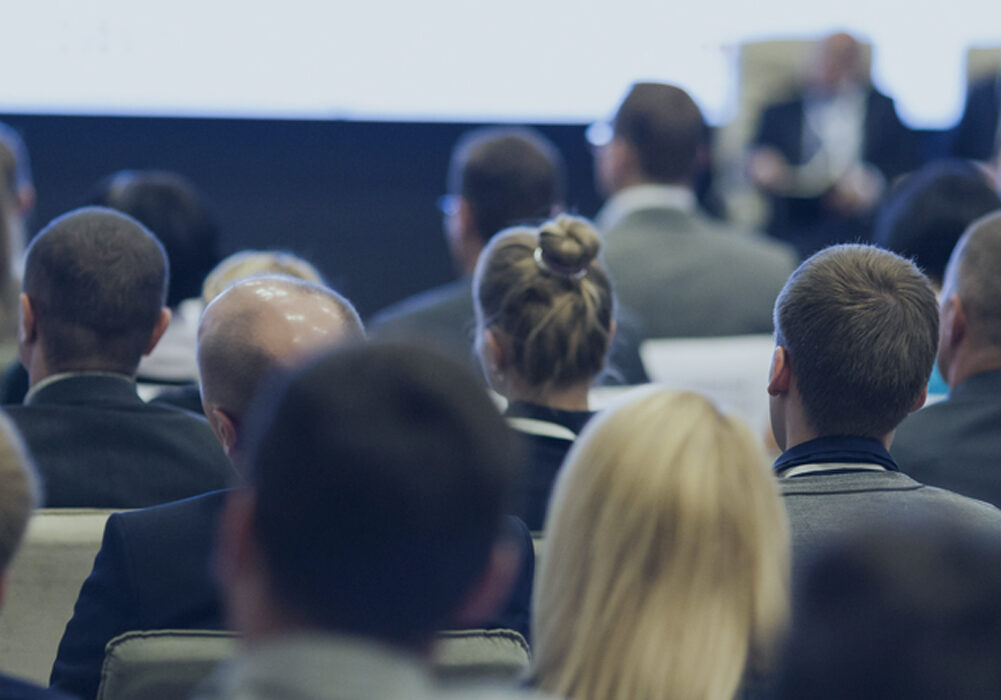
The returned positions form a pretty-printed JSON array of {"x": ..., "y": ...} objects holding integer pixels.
[
  {"x": 573, "y": 398},
  {"x": 969, "y": 360}
]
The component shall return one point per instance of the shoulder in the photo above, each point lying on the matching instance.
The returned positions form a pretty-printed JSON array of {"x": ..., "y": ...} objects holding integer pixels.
[
  {"x": 175, "y": 520},
  {"x": 446, "y": 303},
  {"x": 16, "y": 689}
]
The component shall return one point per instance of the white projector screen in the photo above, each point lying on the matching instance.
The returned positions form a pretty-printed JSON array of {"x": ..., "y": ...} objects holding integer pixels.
[{"x": 449, "y": 60}]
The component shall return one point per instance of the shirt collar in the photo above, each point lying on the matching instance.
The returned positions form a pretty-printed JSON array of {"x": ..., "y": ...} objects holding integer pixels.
[
  {"x": 852, "y": 453},
  {"x": 646, "y": 196},
  {"x": 59, "y": 376}
]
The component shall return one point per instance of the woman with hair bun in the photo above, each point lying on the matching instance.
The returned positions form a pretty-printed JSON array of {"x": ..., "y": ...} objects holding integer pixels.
[
  {"x": 544, "y": 313},
  {"x": 667, "y": 558}
]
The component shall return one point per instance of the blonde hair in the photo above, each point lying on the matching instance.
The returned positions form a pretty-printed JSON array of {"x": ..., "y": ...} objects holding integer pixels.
[
  {"x": 545, "y": 294},
  {"x": 256, "y": 263},
  {"x": 666, "y": 565},
  {"x": 19, "y": 491}
]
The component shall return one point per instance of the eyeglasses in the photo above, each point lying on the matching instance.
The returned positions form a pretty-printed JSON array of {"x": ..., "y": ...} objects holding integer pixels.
[
  {"x": 600, "y": 133},
  {"x": 448, "y": 204}
]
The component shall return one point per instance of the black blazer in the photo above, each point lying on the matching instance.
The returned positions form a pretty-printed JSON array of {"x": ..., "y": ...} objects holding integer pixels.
[
  {"x": 154, "y": 571},
  {"x": 16, "y": 689},
  {"x": 977, "y": 131},
  {"x": 96, "y": 444}
]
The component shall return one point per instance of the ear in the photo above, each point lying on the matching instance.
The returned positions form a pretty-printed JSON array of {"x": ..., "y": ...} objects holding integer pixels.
[
  {"x": 495, "y": 351},
  {"x": 27, "y": 331},
  {"x": 224, "y": 427},
  {"x": 493, "y": 587},
  {"x": 953, "y": 321},
  {"x": 921, "y": 400},
  {"x": 612, "y": 328},
  {"x": 25, "y": 200},
  {"x": 780, "y": 375},
  {"x": 158, "y": 330}
]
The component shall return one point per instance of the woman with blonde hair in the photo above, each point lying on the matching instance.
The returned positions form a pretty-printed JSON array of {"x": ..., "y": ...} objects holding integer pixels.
[
  {"x": 544, "y": 326},
  {"x": 666, "y": 565}
]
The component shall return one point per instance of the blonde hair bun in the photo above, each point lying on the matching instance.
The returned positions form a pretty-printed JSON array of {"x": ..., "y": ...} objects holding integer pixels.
[{"x": 568, "y": 245}]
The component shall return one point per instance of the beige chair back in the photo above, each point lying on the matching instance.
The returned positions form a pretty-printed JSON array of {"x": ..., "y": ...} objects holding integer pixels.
[
  {"x": 169, "y": 664},
  {"x": 43, "y": 584},
  {"x": 982, "y": 62}
]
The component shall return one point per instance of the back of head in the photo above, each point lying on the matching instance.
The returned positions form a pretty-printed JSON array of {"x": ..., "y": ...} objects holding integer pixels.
[
  {"x": 544, "y": 294},
  {"x": 260, "y": 324},
  {"x": 667, "y": 557},
  {"x": 97, "y": 281},
  {"x": 666, "y": 130},
  {"x": 168, "y": 205},
  {"x": 19, "y": 491},
  {"x": 508, "y": 176},
  {"x": 923, "y": 217},
  {"x": 973, "y": 275},
  {"x": 379, "y": 474},
  {"x": 860, "y": 326},
  {"x": 913, "y": 613},
  {"x": 254, "y": 263}
]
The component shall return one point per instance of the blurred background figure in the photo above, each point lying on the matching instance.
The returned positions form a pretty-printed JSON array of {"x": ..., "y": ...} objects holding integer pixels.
[
  {"x": 544, "y": 325},
  {"x": 667, "y": 558},
  {"x": 913, "y": 613},
  {"x": 977, "y": 136},
  {"x": 825, "y": 157}
]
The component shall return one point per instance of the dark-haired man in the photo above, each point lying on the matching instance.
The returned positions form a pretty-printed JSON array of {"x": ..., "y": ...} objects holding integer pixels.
[
  {"x": 956, "y": 443},
  {"x": 681, "y": 273},
  {"x": 498, "y": 177},
  {"x": 339, "y": 566},
  {"x": 856, "y": 330},
  {"x": 92, "y": 305}
]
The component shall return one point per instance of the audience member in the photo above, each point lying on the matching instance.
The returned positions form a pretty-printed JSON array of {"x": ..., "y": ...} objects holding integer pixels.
[
  {"x": 11, "y": 240},
  {"x": 19, "y": 495},
  {"x": 153, "y": 571},
  {"x": 667, "y": 558},
  {"x": 825, "y": 156},
  {"x": 340, "y": 566},
  {"x": 544, "y": 327},
  {"x": 923, "y": 217},
  {"x": 856, "y": 329},
  {"x": 680, "y": 272},
  {"x": 913, "y": 613},
  {"x": 977, "y": 136},
  {"x": 168, "y": 204},
  {"x": 91, "y": 307},
  {"x": 955, "y": 443}
]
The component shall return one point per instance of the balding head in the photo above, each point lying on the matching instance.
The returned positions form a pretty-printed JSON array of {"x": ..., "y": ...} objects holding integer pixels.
[
  {"x": 970, "y": 340},
  {"x": 255, "y": 326},
  {"x": 837, "y": 62}
]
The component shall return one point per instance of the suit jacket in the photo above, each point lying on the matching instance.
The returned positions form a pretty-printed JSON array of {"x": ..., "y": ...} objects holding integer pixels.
[
  {"x": 956, "y": 443},
  {"x": 825, "y": 506},
  {"x": 976, "y": 134},
  {"x": 16, "y": 689},
  {"x": 682, "y": 274},
  {"x": 886, "y": 144},
  {"x": 96, "y": 444},
  {"x": 154, "y": 571}
]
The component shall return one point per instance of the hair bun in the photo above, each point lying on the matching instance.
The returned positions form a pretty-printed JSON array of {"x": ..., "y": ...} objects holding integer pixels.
[{"x": 568, "y": 245}]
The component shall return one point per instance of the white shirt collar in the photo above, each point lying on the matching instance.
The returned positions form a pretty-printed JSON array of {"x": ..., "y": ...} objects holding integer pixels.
[{"x": 646, "y": 196}]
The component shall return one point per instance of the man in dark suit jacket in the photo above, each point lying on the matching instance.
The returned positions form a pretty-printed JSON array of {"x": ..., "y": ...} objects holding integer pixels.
[
  {"x": 153, "y": 569},
  {"x": 677, "y": 271},
  {"x": 856, "y": 329},
  {"x": 825, "y": 156},
  {"x": 978, "y": 134},
  {"x": 956, "y": 443},
  {"x": 92, "y": 305},
  {"x": 19, "y": 494}
]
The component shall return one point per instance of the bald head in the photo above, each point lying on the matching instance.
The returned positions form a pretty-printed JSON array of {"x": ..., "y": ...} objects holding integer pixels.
[
  {"x": 838, "y": 60},
  {"x": 972, "y": 275},
  {"x": 259, "y": 324}
]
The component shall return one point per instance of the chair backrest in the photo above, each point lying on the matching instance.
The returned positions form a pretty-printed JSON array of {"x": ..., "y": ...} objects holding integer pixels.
[
  {"x": 43, "y": 584},
  {"x": 168, "y": 664},
  {"x": 731, "y": 371}
]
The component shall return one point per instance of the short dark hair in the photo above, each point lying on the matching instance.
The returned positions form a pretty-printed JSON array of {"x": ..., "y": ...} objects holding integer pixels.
[
  {"x": 508, "y": 176},
  {"x": 380, "y": 473},
  {"x": 902, "y": 610},
  {"x": 860, "y": 326},
  {"x": 97, "y": 280},
  {"x": 976, "y": 261},
  {"x": 923, "y": 217},
  {"x": 167, "y": 204},
  {"x": 665, "y": 127}
]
